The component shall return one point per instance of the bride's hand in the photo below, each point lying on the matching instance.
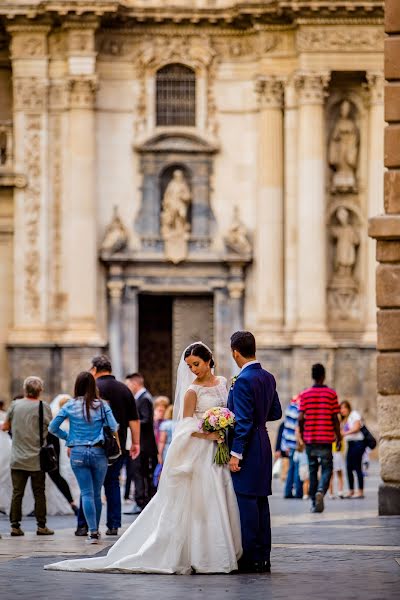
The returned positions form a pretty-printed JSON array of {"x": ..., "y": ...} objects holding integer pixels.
[{"x": 214, "y": 436}]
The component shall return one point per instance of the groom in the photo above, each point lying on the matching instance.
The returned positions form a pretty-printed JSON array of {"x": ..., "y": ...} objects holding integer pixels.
[{"x": 254, "y": 400}]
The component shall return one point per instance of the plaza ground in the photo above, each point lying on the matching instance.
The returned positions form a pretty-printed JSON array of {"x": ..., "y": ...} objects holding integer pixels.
[{"x": 345, "y": 553}]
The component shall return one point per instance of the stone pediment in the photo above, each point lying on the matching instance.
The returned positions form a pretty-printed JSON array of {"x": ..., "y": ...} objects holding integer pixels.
[{"x": 172, "y": 142}]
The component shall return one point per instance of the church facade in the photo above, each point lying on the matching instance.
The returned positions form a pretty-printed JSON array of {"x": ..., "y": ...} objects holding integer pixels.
[{"x": 176, "y": 171}]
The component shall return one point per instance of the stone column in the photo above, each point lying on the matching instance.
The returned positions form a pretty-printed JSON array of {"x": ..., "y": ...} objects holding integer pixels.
[
  {"x": 130, "y": 334},
  {"x": 115, "y": 289},
  {"x": 311, "y": 248},
  {"x": 386, "y": 230},
  {"x": 80, "y": 204},
  {"x": 290, "y": 205},
  {"x": 375, "y": 190},
  {"x": 222, "y": 329},
  {"x": 30, "y": 120},
  {"x": 268, "y": 252}
]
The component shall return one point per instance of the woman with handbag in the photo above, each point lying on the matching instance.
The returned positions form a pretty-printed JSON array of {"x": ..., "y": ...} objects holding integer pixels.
[
  {"x": 351, "y": 431},
  {"x": 90, "y": 421}
]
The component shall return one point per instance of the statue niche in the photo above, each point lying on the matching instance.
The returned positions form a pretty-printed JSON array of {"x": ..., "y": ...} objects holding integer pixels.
[
  {"x": 344, "y": 149},
  {"x": 174, "y": 221}
]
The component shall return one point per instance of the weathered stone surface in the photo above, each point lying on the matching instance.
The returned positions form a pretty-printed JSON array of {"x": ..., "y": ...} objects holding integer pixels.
[
  {"x": 389, "y": 456},
  {"x": 392, "y": 143},
  {"x": 389, "y": 500},
  {"x": 388, "y": 372},
  {"x": 385, "y": 227},
  {"x": 392, "y": 189},
  {"x": 392, "y": 62},
  {"x": 389, "y": 415},
  {"x": 388, "y": 251},
  {"x": 392, "y": 102},
  {"x": 388, "y": 329},
  {"x": 388, "y": 285},
  {"x": 392, "y": 16}
]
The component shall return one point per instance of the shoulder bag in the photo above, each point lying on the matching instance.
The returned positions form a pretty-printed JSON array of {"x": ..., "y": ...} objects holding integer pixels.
[
  {"x": 47, "y": 453},
  {"x": 369, "y": 439},
  {"x": 110, "y": 444}
]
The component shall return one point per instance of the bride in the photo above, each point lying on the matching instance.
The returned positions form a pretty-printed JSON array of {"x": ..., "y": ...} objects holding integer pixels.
[{"x": 192, "y": 523}]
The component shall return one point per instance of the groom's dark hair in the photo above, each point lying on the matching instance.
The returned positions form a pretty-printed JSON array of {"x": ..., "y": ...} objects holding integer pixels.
[{"x": 244, "y": 342}]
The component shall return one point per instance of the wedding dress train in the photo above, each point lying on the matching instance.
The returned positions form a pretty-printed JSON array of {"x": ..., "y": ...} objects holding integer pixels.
[{"x": 192, "y": 523}]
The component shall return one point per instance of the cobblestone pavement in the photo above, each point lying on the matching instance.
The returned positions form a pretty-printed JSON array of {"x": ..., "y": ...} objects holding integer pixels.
[{"x": 345, "y": 553}]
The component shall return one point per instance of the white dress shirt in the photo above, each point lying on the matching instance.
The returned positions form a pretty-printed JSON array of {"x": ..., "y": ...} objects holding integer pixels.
[{"x": 251, "y": 362}]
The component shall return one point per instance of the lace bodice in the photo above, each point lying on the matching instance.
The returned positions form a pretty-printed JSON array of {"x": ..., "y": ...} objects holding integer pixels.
[{"x": 208, "y": 397}]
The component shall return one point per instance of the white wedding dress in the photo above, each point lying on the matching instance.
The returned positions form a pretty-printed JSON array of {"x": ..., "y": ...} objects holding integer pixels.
[{"x": 193, "y": 520}]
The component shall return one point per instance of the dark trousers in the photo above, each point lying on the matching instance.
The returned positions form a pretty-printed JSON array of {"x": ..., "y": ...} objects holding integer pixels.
[
  {"x": 19, "y": 480},
  {"x": 256, "y": 528},
  {"x": 354, "y": 456},
  {"x": 293, "y": 478},
  {"x": 319, "y": 454},
  {"x": 56, "y": 476},
  {"x": 113, "y": 496},
  {"x": 142, "y": 471}
]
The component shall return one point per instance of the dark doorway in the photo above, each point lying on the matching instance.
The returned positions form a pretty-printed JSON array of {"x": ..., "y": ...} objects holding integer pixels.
[{"x": 155, "y": 343}]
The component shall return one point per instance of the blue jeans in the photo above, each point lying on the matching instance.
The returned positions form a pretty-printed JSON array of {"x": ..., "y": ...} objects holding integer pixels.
[
  {"x": 113, "y": 495},
  {"x": 319, "y": 453},
  {"x": 293, "y": 478},
  {"x": 89, "y": 465}
]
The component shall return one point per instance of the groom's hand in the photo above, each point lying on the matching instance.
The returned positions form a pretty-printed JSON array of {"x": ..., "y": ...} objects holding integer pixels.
[{"x": 234, "y": 464}]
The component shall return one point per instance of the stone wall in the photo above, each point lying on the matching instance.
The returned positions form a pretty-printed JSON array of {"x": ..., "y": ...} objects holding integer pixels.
[{"x": 386, "y": 230}]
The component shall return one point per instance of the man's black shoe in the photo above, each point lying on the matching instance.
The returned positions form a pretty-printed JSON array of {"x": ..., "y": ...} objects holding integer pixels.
[
  {"x": 81, "y": 531},
  {"x": 319, "y": 502},
  {"x": 112, "y": 531}
]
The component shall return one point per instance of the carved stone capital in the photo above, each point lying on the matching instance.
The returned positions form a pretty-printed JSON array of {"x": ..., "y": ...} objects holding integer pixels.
[
  {"x": 58, "y": 95},
  {"x": 236, "y": 289},
  {"x": 82, "y": 92},
  {"x": 375, "y": 87},
  {"x": 30, "y": 94},
  {"x": 311, "y": 87},
  {"x": 115, "y": 289},
  {"x": 269, "y": 90},
  {"x": 80, "y": 35},
  {"x": 28, "y": 41}
]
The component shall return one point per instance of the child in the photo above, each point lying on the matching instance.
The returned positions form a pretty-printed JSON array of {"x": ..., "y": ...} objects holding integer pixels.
[{"x": 338, "y": 469}]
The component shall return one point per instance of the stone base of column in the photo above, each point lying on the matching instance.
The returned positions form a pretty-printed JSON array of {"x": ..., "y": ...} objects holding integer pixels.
[
  {"x": 370, "y": 335},
  {"x": 313, "y": 337},
  {"x": 389, "y": 499}
]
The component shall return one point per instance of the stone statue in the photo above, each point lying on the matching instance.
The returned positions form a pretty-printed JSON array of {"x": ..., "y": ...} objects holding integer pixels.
[
  {"x": 236, "y": 239},
  {"x": 116, "y": 236},
  {"x": 347, "y": 241},
  {"x": 343, "y": 151},
  {"x": 174, "y": 223}
]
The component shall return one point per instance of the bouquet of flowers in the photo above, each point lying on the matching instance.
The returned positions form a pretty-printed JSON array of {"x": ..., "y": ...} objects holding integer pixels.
[{"x": 218, "y": 419}]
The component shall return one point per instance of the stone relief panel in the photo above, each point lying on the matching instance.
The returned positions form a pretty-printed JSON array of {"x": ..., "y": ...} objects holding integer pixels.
[{"x": 340, "y": 39}]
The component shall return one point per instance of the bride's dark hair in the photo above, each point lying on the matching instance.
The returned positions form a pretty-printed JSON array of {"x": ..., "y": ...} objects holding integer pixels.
[{"x": 200, "y": 351}]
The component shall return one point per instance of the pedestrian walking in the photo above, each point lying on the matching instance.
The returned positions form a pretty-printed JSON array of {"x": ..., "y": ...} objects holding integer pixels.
[
  {"x": 289, "y": 443},
  {"x": 319, "y": 427},
  {"x": 355, "y": 447},
  {"x": 141, "y": 469},
  {"x": 23, "y": 418},
  {"x": 87, "y": 414}
]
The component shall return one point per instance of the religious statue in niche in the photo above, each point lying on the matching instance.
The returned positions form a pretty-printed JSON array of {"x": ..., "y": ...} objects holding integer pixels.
[
  {"x": 343, "y": 288},
  {"x": 174, "y": 217},
  {"x": 116, "y": 236},
  {"x": 236, "y": 238},
  {"x": 343, "y": 151}
]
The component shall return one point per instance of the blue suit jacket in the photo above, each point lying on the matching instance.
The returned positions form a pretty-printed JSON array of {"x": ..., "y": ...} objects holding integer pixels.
[{"x": 254, "y": 400}]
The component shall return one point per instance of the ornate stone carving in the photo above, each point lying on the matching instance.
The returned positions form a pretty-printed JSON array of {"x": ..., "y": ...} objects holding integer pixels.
[
  {"x": 248, "y": 47},
  {"x": 58, "y": 95},
  {"x": 375, "y": 86},
  {"x": 32, "y": 196},
  {"x": 269, "y": 90},
  {"x": 174, "y": 225},
  {"x": 28, "y": 45},
  {"x": 311, "y": 87},
  {"x": 340, "y": 39},
  {"x": 30, "y": 94},
  {"x": 116, "y": 236},
  {"x": 236, "y": 238},
  {"x": 81, "y": 41},
  {"x": 343, "y": 150},
  {"x": 82, "y": 91},
  {"x": 112, "y": 46}
]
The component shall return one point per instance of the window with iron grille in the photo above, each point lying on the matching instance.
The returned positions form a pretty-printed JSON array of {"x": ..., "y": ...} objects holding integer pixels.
[{"x": 176, "y": 95}]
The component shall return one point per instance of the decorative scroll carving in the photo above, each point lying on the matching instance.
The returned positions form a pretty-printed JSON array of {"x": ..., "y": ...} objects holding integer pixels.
[
  {"x": 116, "y": 236},
  {"x": 174, "y": 225},
  {"x": 82, "y": 92},
  {"x": 32, "y": 214},
  {"x": 236, "y": 238},
  {"x": 311, "y": 87},
  {"x": 30, "y": 94},
  {"x": 269, "y": 91},
  {"x": 248, "y": 47},
  {"x": 343, "y": 150},
  {"x": 340, "y": 39}
]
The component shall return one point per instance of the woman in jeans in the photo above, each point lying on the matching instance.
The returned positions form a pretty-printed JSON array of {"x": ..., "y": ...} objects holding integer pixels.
[
  {"x": 87, "y": 416},
  {"x": 355, "y": 447}
]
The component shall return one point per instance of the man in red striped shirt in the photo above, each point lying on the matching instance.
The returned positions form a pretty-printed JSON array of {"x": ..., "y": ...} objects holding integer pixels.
[{"x": 319, "y": 428}]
